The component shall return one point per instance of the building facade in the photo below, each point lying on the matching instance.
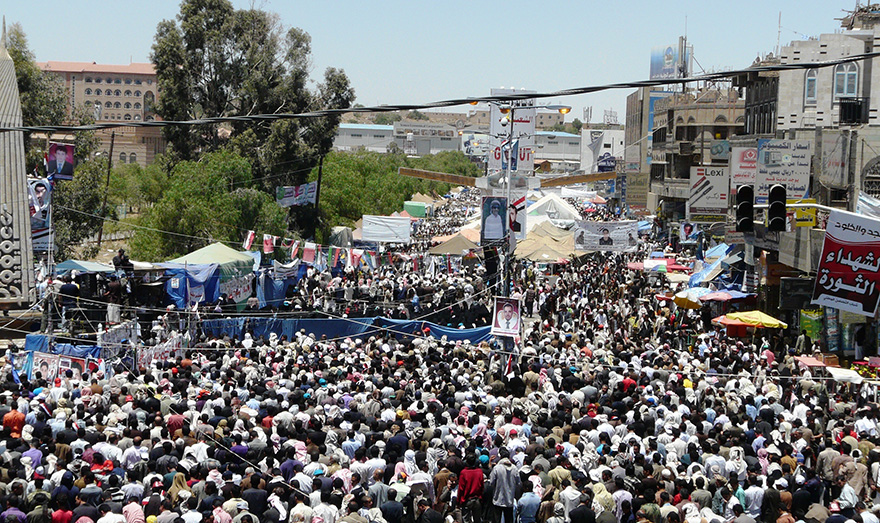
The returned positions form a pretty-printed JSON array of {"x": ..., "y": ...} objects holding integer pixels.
[
  {"x": 116, "y": 93},
  {"x": 369, "y": 137}
]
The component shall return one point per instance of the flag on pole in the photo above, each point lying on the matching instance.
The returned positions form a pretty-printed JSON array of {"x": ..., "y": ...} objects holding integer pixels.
[
  {"x": 268, "y": 243},
  {"x": 294, "y": 250},
  {"x": 335, "y": 256},
  {"x": 248, "y": 240}
]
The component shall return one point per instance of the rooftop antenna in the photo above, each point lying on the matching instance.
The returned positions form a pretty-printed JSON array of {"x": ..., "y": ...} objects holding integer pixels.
[{"x": 778, "y": 34}]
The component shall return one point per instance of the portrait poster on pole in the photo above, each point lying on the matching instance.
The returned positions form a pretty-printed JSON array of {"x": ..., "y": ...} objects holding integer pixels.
[
  {"x": 60, "y": 161},
  {"x": 494, "y": 220},
  {"x": 506, "y": 317}
]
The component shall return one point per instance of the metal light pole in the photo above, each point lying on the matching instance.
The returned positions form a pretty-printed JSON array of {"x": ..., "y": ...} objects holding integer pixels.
[{"x": 507, "y": 249}]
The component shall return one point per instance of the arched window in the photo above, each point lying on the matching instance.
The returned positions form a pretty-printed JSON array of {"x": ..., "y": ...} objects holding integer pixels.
[
  {"x": 98, "y": 92},
  {"x": 127, "y": 105},
  {"x": 88, "y": 91},
  {"x": 98, "y": 80},
  {"x": 127, "y": 93},
  {"x": 118, "y": 93},
  {"x": 109, "y": 80},
  {"x": 137, "y": 82},
  {"x": 810, "y": 84},
  {"x": 118, "y": 80},
  {"x": 117, "y": 105},
  {"x": 846, "y": 80},
  {"x": 137, "y": 105},
  {"x": 122, "y": 157},
  {"x": 128, "y": 117},
  {"x": 137, "y": 94},
  {"x": 88, "y": 79},
  {"x": 128, "y": 81},
  {"x": 132, "y": 158},
  {"x": 88, "y": 103},
  {"x": 137, "y": 117}
]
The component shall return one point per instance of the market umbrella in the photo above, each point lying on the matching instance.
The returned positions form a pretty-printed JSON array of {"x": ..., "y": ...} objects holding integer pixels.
[
  {"x": 723, "y": 296},
  {"x": 598, "y": 200},
  {"x": 635, "y": 266},
  {"x": 690, "y": 298},
  {"x": 758, "y": 319}
]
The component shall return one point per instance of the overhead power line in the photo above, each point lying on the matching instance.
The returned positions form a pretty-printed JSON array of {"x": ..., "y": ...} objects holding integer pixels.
[{"x": 447, "y": 103}]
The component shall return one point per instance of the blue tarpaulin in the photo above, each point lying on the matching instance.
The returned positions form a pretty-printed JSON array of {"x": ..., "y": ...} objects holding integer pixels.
[
  {"x": 339, "y": 328},
  {"x": 191, "y": 283},
  {"x": 40, "y": 343}
]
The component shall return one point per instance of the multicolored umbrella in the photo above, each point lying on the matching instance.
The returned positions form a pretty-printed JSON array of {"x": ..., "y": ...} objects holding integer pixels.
[
  {"x": 724, "y": 296},
  {"x": 690, "y": 298}
]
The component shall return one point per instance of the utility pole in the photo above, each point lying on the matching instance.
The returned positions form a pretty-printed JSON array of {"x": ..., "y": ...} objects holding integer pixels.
[
  {"x": 317, "y": 196},
  {"x": 106, "y": 187}
]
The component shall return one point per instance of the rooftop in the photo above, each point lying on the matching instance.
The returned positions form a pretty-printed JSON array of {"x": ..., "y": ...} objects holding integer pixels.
[
  {"x": 92, "y": 67},
  {"x": 557, "y": 134}
]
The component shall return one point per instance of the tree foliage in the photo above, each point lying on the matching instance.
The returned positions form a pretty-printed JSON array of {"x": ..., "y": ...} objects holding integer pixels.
[
  {"x": 386, "y": 118},
  {"x": 363, "y": 182},
  {"x": 76, "y": 209},
  {"x": 215, "y": 60},
  {"x": 417, "y": 115},
  {"x": 206, "y": 201}
]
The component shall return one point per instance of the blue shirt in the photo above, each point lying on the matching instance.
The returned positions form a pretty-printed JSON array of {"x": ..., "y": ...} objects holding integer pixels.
[{"x": 527, "y": 507}]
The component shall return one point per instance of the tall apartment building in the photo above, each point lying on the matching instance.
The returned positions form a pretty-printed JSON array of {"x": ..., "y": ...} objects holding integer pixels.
[{"x": 116, "y": 93}]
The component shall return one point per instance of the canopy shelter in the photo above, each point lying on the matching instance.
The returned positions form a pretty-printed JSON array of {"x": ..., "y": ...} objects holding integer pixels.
[
  {"x": 546, "y": 229},
  {"x": 458, "y": 245},
  {"x": 83, "y": 267},
  {"x": 725, "y": 296},
  {"x": 423, "y": 198},
  {"x": 192, "y": 278},
  {"x": 758, "y": 319},
  {"x": 416, "y": 209},
  {"x": 471, "y": 234},
  {"x": 809, "y": 361}
]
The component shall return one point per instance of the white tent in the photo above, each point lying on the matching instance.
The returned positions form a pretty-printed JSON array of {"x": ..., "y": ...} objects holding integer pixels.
[{"x": 554, "y": 207}]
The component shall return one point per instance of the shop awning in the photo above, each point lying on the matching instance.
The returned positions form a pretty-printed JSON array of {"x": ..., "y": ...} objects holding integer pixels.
[{"x": 809, "y": 361}]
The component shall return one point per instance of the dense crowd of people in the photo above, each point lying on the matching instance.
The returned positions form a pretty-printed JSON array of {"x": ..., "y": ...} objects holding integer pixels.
[{"x": 613, "y": 407}]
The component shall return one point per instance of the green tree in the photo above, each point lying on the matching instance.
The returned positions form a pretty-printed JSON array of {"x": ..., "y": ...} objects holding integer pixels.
[
  {"x": 43, "y": 99},
  {"x": 206, "y": 201},
  {"x": 76, "y": 209},
  {"x": 386, "y": 118},
  {"x": 215, "y": 61},
  {"x": 417, "y": 115},
  {"x": 576, "y": 125},
  {"x": 349, "y": 176}
]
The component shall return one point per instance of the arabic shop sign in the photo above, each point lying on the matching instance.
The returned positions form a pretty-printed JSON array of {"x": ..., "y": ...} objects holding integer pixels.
[{"x": 848, "y": 277}]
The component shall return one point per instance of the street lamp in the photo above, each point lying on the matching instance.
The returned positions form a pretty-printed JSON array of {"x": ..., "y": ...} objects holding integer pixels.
[{"x": 509, "y": 111}]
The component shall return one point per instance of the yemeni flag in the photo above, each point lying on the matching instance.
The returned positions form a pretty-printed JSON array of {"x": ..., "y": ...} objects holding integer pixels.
[{"x": 248, "y": 240}]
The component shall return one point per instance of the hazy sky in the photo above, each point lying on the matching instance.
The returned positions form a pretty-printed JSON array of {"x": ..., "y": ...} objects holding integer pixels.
[{"x": 416, "y": 51}]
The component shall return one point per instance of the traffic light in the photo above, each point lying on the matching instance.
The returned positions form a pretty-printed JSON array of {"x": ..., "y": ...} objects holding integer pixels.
[
  {"x": 745, "y": 212},
  {"x": 776, "y": 208}
]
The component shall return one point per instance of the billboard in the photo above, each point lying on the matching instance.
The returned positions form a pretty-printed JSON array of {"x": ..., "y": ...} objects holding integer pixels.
[
  {"x": 848, "y": 277},
  {"x": 834, "y": 147},
  {"x": 619, "y": 236},
  {"x": 522, "y": 128},
  {"x": 666, "y": 61},
  {"x": 288, "y": 196},
  {"x": 637, "y": 190},
  {"x": 392, "y": 229},
  {"x": 707, "y": 199},
  {"x": 785, "y": 162},
  {"x": 743, "y": 166}
]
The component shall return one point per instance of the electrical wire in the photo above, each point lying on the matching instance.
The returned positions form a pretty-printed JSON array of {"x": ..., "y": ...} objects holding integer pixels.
[{"x": 449, "y": 102}]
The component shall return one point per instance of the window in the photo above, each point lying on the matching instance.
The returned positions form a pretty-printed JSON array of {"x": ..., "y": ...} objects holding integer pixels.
[
  {"x": 355, "y": 135},
  {"x": 118, "y": 92},
  {"x": 88, "y": 79},
  {"x": 137, "y": 94},
  {"x": 118, "y": 81},
  {"x": 379, "y": 136},
  {"x": 132, "y": 158},
  {"x": 137, "y": 82},
  {"x": 137, "y": 117},
  {"x": 88, "y": 91},
  {"x": 127, "y": 93},
  {"x": 109, "y": 80},
  {"x": 810, "y": 86},
  {"x": 122, "y": 157},
  {"x": 127, "y": 105},
  {"x": 846, "y": 77},
  {"x": 117, "y": 105},
  {"x": 97, "y": 92},
  {"x": 128, "y": 117},
  {"x": 128, "y": 81},
  {"x": 149, "y": 82},
  {"x": 88, "y": 102},
  {"x": 137, "y": 105},
  {"x": 98, "y": 80},
  {"x": 606, "y": 146}
]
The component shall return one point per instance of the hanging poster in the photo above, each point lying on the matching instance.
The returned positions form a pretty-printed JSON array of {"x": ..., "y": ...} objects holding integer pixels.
[
  {"x": 60, "y": 162},
  {"x": 494, "y": 222},
  {"x": 785, "y": 162},
  {"x": 506, "y": 318},
  {"x": 848, "y": 277},
  {"x": 620, "y": 236},
  {"x": 46, "y": 364}
]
